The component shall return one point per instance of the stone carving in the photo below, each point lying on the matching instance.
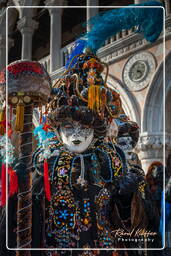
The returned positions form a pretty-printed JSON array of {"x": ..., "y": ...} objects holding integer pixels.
[{"x": 151, "y": 142}]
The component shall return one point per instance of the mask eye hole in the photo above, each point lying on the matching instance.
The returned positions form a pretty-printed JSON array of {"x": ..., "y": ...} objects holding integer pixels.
[{"x": 68, "y": 126}]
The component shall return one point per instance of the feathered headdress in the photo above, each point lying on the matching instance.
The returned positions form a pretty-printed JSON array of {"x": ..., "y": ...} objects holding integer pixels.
[
  {"x": 82, "y": 94},
  {"x": 146, "y": 17}
]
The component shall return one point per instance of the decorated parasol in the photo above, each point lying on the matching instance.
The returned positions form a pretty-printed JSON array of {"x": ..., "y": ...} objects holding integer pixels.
[{"x": 29, "y": 87}]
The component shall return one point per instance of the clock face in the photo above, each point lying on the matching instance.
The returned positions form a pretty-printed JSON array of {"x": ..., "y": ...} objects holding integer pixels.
[{"x": 138, "y": 70}]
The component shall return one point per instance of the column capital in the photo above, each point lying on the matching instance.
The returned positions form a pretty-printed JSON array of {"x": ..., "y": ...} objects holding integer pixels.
[
  {"x": 150, "y": 146},
  {"x": 150, "y": 141},
  {"x": 27, "y": 24},
  {"x": 57, "y": 11},
  {"x": 54, "y": 3}
]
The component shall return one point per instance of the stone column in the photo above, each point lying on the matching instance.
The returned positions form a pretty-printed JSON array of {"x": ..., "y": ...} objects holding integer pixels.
[
  {"x": 2, "y": 37},
  {"x": 150, "y": 148},
  {"x": 55, "y": 38},
  {"x": 55, "y": 33},
  {"x": 3, "y": 50},
  {"x": 91, "y": 11},
  {"x": 168, "y": 6},
  {"x": 27, "y": 25}
]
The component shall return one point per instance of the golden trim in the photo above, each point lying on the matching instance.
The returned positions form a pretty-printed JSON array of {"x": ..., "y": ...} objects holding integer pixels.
[{"x": 77, "y": 88}]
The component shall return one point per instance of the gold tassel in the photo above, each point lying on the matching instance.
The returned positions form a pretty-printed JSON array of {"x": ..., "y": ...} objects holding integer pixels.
[
  {"x": 89, "y": 97},
  {"x": 19, "y": 121},
  {"x": 92, "y": 97},
  {"x": 96, "y": 99},
  {"x": 2, "y": 121}
]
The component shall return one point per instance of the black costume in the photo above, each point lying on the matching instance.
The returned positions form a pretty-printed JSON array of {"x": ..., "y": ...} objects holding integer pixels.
[{"x": 87, "y": 215}]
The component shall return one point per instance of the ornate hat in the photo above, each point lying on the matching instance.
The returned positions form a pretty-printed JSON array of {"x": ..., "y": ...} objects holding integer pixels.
[
  {"x": 82, "y": 95},
  {"x": 25, "y": 76},
  {"x": 26, "y": 82},
  {"x": 127, "y": 128}
]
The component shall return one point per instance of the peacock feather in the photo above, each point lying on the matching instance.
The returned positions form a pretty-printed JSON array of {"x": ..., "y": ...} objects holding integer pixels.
[{"x": 146, "y": 17}]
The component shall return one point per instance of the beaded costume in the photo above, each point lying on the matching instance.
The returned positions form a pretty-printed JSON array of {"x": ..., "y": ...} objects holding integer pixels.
[{"x": 82, "y": 197}]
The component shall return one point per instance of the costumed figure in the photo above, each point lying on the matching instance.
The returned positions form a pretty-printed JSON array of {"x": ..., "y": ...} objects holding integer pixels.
[
  {"x": 127, "y": 138},
  {"x": 154, "y": 179},
  {"x": 28, "y": 86},
  {"x": 168, "y": 217},
  {"x": 81, "y": 184},
  {"x": 168, "y": 206}
]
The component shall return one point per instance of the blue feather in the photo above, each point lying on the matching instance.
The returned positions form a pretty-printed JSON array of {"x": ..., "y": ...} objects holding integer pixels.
[
  {"x": 161, "y": 228},
  {"x": 37, "y": 130},
  {"x": 42, "y": 135},
  {"x": 167, "y": 216},
  {"x": 50, "y": 135},
  {"x": 79, "y": 46},
  {"x": 148, "y": 20},
  {"x": 168, "y": 212}
]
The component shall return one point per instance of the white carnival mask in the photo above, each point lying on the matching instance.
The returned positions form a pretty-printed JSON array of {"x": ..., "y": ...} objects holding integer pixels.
[{"x": 76, "y": 137}]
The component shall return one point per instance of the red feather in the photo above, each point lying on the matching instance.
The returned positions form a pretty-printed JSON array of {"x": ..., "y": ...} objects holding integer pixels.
[
  {"x": 13, "y": 181},
  {"x": 46, "y": 181},
  {"x": 3, "y": 180}
]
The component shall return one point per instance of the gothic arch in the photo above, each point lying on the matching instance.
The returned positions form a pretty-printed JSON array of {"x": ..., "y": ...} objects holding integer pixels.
[
  {"x": 168, "y": 107},
  {"x": 152, "y": 121},
  {"x": 14, "y": 6},
  {"x": 26, "y": 11},
  {"x": 129, "y": 102}
]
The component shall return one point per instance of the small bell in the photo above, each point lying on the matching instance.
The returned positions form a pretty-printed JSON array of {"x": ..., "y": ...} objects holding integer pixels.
[
  {"x": 19, "y": 121},
  {"x": 2, "y": 121}
]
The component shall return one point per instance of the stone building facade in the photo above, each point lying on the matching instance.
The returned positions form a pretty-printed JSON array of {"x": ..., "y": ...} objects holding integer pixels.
[{"x": 136, "y": 67}]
